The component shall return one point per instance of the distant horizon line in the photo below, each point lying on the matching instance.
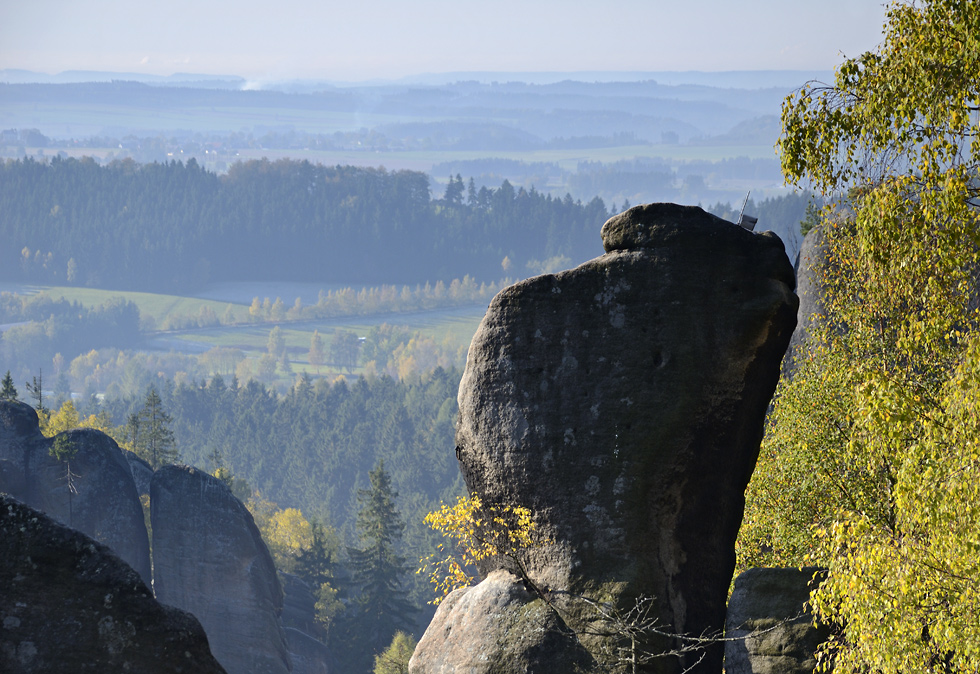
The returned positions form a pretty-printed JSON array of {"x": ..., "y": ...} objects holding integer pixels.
[{"x": 79, "y": 76}]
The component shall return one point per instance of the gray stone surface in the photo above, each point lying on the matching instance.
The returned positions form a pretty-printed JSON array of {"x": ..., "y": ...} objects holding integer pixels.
[
  {"x": 299, "y": 606},
  {"x": 497, "y": 627},
  {"x": 106, "y": 505},
  {"x": 811, "y": 267},
  {"x": 209, "y": 559},
  {"x": 142, "y": 472},
  {"x": 769, "y": 604},
  {"x": 623, "y": 402},
  {"x": 68, "y": 604},
  {"x": 308, "y": 655}
]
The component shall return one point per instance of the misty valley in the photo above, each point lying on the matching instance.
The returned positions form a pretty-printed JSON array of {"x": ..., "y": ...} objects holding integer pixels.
[{"x": 296, "y": 330}]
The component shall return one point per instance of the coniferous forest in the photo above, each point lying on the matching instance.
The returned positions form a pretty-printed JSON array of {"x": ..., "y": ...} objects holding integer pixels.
[{"x": 174, "y": 226}]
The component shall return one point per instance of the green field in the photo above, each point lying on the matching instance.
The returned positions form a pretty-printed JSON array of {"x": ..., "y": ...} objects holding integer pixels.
[
  {"x": 152, "y": 305},
  {"x": 456, "y": 325},
  {"x": 451, "y": 326}
]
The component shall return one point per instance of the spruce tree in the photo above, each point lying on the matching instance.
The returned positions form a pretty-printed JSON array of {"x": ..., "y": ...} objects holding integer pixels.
[
  {"x": 7, "y": 389},
  {"x": 154, "y": 441},
  {"x": 377, "y": 569}
]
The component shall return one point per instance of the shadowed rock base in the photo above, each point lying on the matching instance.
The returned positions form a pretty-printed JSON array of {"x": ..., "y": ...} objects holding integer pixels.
[
  {"x": 68, "y": 604},
  {"x": 497, "y": 627},
  {"x": 771, "y": 603}
]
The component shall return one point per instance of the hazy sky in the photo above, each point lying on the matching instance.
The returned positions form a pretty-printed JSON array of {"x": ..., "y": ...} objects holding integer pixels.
[{"x": 361, "y": 39}]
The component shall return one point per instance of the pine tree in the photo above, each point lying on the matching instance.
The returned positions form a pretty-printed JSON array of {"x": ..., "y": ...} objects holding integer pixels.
[
  {"x": 377, "y": 569},
  {"x": 317, "y": 566},
  {"x": 154, "y": 441},
  {"x": 8, "y": 391}
]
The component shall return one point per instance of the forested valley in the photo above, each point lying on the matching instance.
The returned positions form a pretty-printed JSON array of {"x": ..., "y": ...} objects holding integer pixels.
[{"x": 308, "y": 451}]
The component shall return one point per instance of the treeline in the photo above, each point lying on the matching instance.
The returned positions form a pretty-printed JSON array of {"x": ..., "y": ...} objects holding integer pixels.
[
  {"x": 386, "y": 350},
  {"x": 385, "y": 299},
  {"x": 175, "y": 226},
  {"x": 41, "y": 330}
]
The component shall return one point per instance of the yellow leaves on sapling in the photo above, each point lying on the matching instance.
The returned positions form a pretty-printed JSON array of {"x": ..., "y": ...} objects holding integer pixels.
[{"x": 475, "y": 532}]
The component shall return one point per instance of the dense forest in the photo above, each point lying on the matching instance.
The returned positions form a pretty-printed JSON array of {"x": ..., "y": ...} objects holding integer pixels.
[
  {"x": 175, "y": 226},
  {"x": 313, "y": 447}
]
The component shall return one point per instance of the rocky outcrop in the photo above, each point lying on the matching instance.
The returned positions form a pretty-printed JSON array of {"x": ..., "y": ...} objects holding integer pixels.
[
  {"x": 68, "y": 604},
  {"x": 304, "y": 636},
  {"x": 768, "y": 618},
  {"x": 623, "y": 402},
  {"x": 209, "y": 559},
  {"x": 498, "y": 626},
  {"x": 105, "y": 504},
  {"x": 811, "y": 270}
]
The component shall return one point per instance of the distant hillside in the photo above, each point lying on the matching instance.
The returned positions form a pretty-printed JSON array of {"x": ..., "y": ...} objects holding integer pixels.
[{"x": 175, "y": 226}]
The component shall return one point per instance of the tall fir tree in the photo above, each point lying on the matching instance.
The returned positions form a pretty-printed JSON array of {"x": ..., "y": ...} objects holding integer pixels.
[
  {"x": 7, "y": 389},
  {"x": 153, "y": 439},
  {"x": 377, "y": 569}
]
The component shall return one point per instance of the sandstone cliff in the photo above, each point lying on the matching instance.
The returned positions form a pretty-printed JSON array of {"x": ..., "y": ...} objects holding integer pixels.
[
  {"x": 105, "y": 506},
  {"x": 811, "y": 268},
  {"x": 209, "y": 559},
  {"x": 623, "y": 402}
]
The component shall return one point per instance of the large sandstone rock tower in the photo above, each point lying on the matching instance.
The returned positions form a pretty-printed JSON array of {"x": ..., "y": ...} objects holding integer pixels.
[
  {"x": 209, "y": 559},
  {"x": 623, "y": 402}
]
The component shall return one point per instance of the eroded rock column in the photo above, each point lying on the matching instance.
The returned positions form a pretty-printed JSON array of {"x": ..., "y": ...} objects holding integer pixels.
[{"x": 623, "y": 402}]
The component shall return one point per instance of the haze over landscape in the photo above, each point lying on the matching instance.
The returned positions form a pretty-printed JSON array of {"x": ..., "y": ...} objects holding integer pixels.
[
  {"x": 259, "y": 238},
  {"x": 389, "y": 40}
]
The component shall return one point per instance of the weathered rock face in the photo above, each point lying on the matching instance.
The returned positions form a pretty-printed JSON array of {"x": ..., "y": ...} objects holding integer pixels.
[
  {"x": 771, "y": 602},
  {"x": 623, "y": 402},
  {"x": 68, "y": 604},
  {"x": 142, "y": 472},
  {"x": 308, "y": 655},
  {"x": 495, "y": 627},
  {"x": 299, "y": 606},
  {"x": 811, "y": 267},
  {"x": 209, "y": 559},
  {"x": 106, "y": 505}
]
